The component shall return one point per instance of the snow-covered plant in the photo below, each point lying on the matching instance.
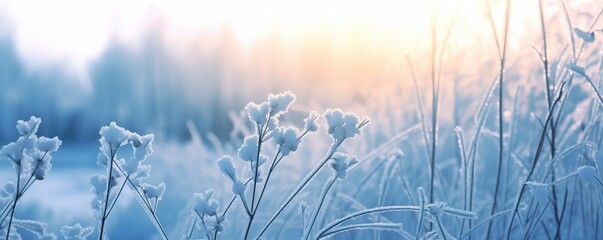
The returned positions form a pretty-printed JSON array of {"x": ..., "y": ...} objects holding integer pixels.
[
  {"x": 131, "y": 171},
  {"x": 340, "y": 126},
  {"x": 206, "y": 215},
  {"x": 432, "y": 212},
  {"x": 30, "y": 157},
  {"x": 341, "y": 164},
  {"x": 249, "y": 185}
]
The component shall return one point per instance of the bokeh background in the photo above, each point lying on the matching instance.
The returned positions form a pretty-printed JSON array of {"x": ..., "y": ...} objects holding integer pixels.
[{"x": 154, "y": 65}]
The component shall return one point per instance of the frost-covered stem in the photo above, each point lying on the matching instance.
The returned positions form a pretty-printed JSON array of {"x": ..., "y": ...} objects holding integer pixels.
[
  {"x": 420, "y": 113},
  {"x": 158, "y": 225},
  {"x": 249, "y": 213},
  {"x": 537, "y": 220},
  {"x": 12, "y": 209},
  {"x": 481, "y": 118},
  {"x": 117, "y": 196},
  {"x": 377, "y": 226},
  {"x": 141, "y": 197},
  {"x": 20, "y": 192},
  {"x": 369, "y": 211},
  {"x": 384, "y": 184},
  {"x": 242, "y": 201},
  {"x": 463, "y": 155},
  {"x": 104, "y": 215},
  {"x": 435, "y": 99},
  {"x": 488, "y": 219},
  {"x": 592, "y": 85},
  {"x": 545, "y": 56},
  {"x": 257, "y": 163},
  {"x": 31, "y": 179},
  {"x": 569, "y": 28},
  {"x": 261, "y": 132},
  {"x": 301, "y": 186},
  {"x": 275, "y": 161},
  {"x": 567, "y": 177},
  {"x": 228, "y": 206},
  {"x": 323, "y": 196},
  {"x": 440, "y": 227},
  {"x": 421, "y": 213},
  {"x": 215, "y": 228},
  {"x": 190, "y": 232},
  {"x": 251, "y": 216},
  {"x": 534, "y": 162},
  {"x": 4, "y": 214},
  {"x": 502, "y": 54},
  {"x": 204, "y": 225}
]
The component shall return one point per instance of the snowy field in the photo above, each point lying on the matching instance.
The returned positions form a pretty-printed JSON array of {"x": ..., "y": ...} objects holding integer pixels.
[{"x": 443, "y": 120}]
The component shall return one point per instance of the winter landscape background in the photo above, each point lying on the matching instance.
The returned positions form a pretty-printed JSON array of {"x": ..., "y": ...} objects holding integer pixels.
[{"x": 186, "y": 70}]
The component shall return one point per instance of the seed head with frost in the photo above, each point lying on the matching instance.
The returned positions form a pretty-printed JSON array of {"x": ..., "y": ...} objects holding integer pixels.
[
  {"x": 287, "y": 139},
  {"x": 30, "y": 153},
  {"x": 45, "y": 144},
  {"x": 249, "y": 150},
  {"x": 342, "y": 163},
  {"x": 341, "y": 126},
  {"x": 227, "y": 167},
  {"x": 205, "y": 203},
  {"x": 258, "y": 113},
  {"x": 310, "y": 124},
  {"x": 28, "y": 128},
  {"x": 114, "y": 134},
  {"x": 13, "y": 152},
  {"x": 20, "y": 149},
  {"x": 43, "y": 165},
  {"x": 153, "y": 191},
  {"x": 112, "y": 137},
  {"x": 280, "y": 103}
]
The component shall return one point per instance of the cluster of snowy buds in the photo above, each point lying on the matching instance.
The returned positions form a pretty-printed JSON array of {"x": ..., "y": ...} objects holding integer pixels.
[
  {"x": 285, "y": 141},
  {"x": 265, "y": 116},
  {"x": 30, "y": 154},
  {"x": 31, "y": 158},
  {"x": 132, "y": 168},
  {"x": 227, "y": 167},
  {"x": 342, "y": 163},
  {"x": 343, "y": 125},
  {"x": 208, "y": 210},
  {"x": 205, "y": 204}
]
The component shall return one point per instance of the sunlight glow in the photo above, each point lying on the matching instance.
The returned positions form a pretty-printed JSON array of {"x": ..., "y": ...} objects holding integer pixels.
[{"x": 74, "y": 33}]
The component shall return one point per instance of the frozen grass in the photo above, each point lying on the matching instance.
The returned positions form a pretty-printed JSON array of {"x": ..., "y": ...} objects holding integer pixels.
[{"x": 518, "y": 157}]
